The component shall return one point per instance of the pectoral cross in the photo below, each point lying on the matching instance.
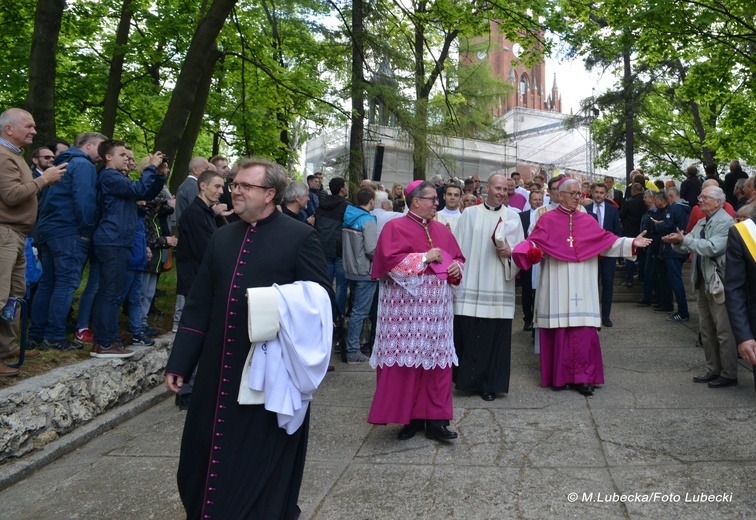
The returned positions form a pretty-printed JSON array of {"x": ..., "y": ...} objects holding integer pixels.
[{"x": 570, "y": 240}]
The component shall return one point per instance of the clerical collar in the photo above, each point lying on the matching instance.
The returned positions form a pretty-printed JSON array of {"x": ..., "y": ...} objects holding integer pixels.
[
  {"x": 497, "y": 208},
  {"x": 423, "y": 222},
  {"x": 565, "y": 210},
  {"x": 417, "y": 218}
]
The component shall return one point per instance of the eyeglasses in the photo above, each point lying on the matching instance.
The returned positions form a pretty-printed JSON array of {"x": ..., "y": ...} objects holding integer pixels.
[
  {"x": 244, "y": 186},
  {"x": 573, "y": 193},
  {"x": 434, "y": 199},
  {"x": 704, "y": 197}
]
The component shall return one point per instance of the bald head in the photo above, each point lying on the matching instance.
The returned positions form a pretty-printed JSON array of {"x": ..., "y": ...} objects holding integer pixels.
[
  {"x": 709, "y": 183},
  {"x": 198, "y": 165}
]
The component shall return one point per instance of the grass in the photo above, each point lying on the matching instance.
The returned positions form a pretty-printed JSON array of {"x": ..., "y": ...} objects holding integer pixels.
[{"x": 51, "y": 359}]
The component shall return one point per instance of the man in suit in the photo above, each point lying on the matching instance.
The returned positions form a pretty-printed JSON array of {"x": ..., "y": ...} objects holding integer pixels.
[
  {"x": 608, "y": 218},
  {"x": 535, "y": 200},
  {"x": 612, "y": 194},
  {"x": 740, "y": 287}
]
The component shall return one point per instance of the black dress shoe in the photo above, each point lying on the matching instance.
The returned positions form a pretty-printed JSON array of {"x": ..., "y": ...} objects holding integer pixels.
[
  {"x": 584, "y": 389},
  {"x": 707, "y": 377},
  {"x": 488, "y": 396},
  {"x": 661, "y": 308},
  {"x": 643, "y": 302},
  {"x": 629, "y": 285},
  {"x": 722, "y": 382},
  {"x": 528, "y": 326},
  {"x": 439, "y": 433},
  {"x": 410, "y": 430},
  {"x": 182, "y": 401},
  {"x": 606, "y": 322}
]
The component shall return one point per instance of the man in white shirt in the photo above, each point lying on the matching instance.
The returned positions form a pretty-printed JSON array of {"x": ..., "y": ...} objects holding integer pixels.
[
  {"x": 449, "y": 216},
  {"x": 383, "y": 211}
]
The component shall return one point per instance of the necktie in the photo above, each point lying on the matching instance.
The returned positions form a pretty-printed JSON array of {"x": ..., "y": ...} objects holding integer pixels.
[{"x": 600, "y": 214}]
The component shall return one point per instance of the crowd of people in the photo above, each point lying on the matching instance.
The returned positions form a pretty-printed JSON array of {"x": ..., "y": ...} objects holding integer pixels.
[
  {"x": 417, "y": 280},
  {"x": 88, "y": 206}
]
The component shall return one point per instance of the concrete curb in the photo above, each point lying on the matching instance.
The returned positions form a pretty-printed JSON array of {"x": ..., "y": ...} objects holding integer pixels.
[{"x": 18, "y": 470}]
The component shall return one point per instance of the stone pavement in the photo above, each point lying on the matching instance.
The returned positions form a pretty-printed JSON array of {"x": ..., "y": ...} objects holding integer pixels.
[{"x": 650, "y": 434}]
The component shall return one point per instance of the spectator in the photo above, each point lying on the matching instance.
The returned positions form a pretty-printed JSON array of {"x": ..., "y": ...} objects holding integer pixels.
[
  {"x": 735, "y": 173},
  {"x": 526, "y": 275},
  {"x": 189, "y": 189},
  {"x": 672, "y": 218},
  {"x": 58, "y": 146},
  {"x": 329, "y": 220},
  {"x": 740, "y": 195},
  {"x": 313, "y": 186},
  {"x": 397, "y": 192},
  {"x": 42, "y": 159},
  {"x": 608, "y": 219},
  {"x": 384, "y": 210},
  {"x": 67, "y": 220},
  {"x": 159, "y": 240},
  {"x": 359, "y": 237},
  {"x": 631, "y": 215},
  {"x": 18, "y": 211},
  {"x": 296, "y": 201},
  {"x": 707, "y": 241},
  {"x": 713, "y": 174},
  {"x": 115, "y": 237}
]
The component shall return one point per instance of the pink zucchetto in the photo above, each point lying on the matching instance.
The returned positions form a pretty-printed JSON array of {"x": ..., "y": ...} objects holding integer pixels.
[{"x": 411, "y": 187}]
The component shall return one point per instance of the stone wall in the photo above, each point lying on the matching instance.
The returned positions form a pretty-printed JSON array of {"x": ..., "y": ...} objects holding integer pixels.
[{"x": 40, "y": 409}]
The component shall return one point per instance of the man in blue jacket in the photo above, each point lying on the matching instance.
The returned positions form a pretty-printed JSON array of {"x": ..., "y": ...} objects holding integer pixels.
[
  {"x": 359, "y": 237},
  {"x": 67, "y": 220},
  {"x": 115, "y": 237},
  {"x": 673, "y": 218}
]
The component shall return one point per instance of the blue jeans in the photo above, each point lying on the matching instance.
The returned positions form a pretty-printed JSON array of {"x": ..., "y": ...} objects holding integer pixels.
[
  {"x": 113, "y": 263},
  {"x": 362, "y": 300},
  {"x": 675, "y": 281},
  {"x": 62, "y": 263},
  {"x": 87, "y": 298},
  {"x": 132, "y": 293},
  {"x": 336, "y": 269}
]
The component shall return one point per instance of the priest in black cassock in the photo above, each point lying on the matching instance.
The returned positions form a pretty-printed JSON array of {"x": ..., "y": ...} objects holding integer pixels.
[{"x": 235, "y": 460}]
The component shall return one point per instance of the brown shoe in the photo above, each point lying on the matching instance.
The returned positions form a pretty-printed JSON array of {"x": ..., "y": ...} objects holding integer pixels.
[
  {"x": 29, "y": 354},
  {"x": 113, "y": 351},
  {"x": 7, "y": 371}
]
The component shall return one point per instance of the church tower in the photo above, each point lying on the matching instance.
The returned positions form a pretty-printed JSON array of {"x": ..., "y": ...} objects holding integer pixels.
[{"x": 528, "y": 84}]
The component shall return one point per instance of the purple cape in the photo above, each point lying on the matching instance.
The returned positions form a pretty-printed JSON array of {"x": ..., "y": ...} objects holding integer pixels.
[
  {"x": 406, "y": 235},
  {"x": 552, "y": 231}
]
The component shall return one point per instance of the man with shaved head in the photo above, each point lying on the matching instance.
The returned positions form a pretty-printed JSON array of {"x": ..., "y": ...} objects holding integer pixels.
[{"x": 484, "y": 308}]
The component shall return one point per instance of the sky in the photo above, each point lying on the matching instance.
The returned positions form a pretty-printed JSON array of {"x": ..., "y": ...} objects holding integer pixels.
[{"x": 575, "y": 83}]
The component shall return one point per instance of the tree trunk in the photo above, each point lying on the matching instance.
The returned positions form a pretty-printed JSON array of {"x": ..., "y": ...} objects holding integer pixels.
[
  {"x": 627, "y": 94},
  {"x": 419, "y": 133},
  {"x": 357, "y": 131},
  {"x": 187, "y": 84},
  {"x": 185, "y": 150},
  {"x": 40, "y": 101},
  {"x": 110, "y": 108}
]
